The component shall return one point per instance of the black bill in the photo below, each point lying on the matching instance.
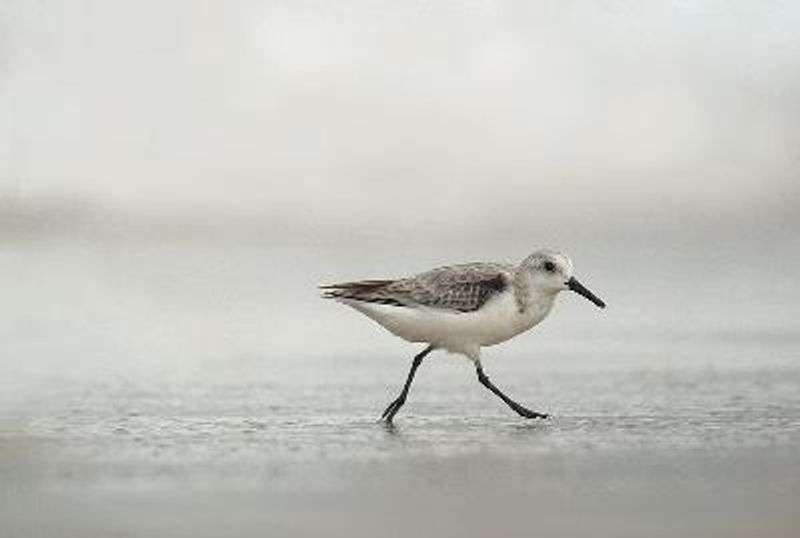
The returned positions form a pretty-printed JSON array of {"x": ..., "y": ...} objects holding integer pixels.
[{"x": 579, "y": 288}]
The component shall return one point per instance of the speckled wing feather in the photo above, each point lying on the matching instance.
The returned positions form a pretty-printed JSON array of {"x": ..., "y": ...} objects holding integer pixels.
[{"x": 462, "y": 288}]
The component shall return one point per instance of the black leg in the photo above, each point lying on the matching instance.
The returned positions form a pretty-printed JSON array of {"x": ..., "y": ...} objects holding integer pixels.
[
  {"x": 395, "y": 406},
  {"x": 522, "y": 411}
]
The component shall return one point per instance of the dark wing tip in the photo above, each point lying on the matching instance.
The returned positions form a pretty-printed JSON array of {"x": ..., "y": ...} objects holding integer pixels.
[
  {"x": 368, "y": 291},
  {"x": 360, "y": 284}
]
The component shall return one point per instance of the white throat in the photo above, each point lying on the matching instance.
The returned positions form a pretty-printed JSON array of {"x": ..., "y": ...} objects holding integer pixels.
[{"x": 532, "y": 300}]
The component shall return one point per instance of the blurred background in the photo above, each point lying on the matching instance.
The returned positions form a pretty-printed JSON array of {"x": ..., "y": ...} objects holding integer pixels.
[
  {"x": 177, "y": 177},
  {"x": 367, "y": 118}
]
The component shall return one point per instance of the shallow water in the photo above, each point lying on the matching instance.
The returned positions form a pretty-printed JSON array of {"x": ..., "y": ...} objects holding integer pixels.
[{"x": 200, "y": 388}]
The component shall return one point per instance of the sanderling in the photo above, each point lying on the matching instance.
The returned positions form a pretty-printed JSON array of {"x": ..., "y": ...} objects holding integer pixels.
[{"x": 462, "y": 308}]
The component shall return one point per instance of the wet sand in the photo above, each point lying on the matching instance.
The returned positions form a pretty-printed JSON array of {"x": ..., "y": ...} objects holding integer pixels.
[{"x": 152, "y": 398}]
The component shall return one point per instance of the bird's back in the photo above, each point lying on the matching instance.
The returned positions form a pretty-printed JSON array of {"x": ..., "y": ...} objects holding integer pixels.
[{"x": 459, "y": 288}]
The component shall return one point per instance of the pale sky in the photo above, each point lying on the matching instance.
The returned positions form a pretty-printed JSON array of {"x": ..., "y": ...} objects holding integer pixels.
[{"x": 354, "y": 112}]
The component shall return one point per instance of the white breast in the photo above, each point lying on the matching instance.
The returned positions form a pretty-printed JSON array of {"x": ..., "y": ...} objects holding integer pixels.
[{"x": 459, "y": 332}]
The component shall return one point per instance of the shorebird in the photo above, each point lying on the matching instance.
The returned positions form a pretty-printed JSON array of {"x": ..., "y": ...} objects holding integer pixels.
[{"x": 462, "y": 308}]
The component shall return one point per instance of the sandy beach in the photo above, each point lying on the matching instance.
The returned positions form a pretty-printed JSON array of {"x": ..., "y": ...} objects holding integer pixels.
[{"x": 139, "y": 401}]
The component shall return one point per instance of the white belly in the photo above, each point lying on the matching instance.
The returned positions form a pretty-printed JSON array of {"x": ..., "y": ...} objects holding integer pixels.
[{"x": 459, "y": 332}]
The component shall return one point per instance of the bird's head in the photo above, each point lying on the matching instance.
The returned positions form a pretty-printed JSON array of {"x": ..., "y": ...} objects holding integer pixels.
[{"x": 551, "y": 272}]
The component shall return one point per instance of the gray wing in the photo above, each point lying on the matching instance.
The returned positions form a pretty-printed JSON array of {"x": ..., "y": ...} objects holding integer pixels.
[{"x": 462, "y": 288}]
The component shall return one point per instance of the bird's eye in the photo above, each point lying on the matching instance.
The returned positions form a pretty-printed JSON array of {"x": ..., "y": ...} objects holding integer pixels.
[{"x": 549, "y": 267}]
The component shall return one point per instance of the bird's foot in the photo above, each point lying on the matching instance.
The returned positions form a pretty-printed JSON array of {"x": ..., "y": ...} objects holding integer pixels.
[
  {"x": 392, "y": 409},
  {"x": 527, "y": 413}
]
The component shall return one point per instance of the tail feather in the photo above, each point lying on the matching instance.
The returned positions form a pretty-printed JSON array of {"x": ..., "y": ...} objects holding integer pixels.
[
  {"x": 358, "y": 285},
  {"x": 370, "y": 291}
]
